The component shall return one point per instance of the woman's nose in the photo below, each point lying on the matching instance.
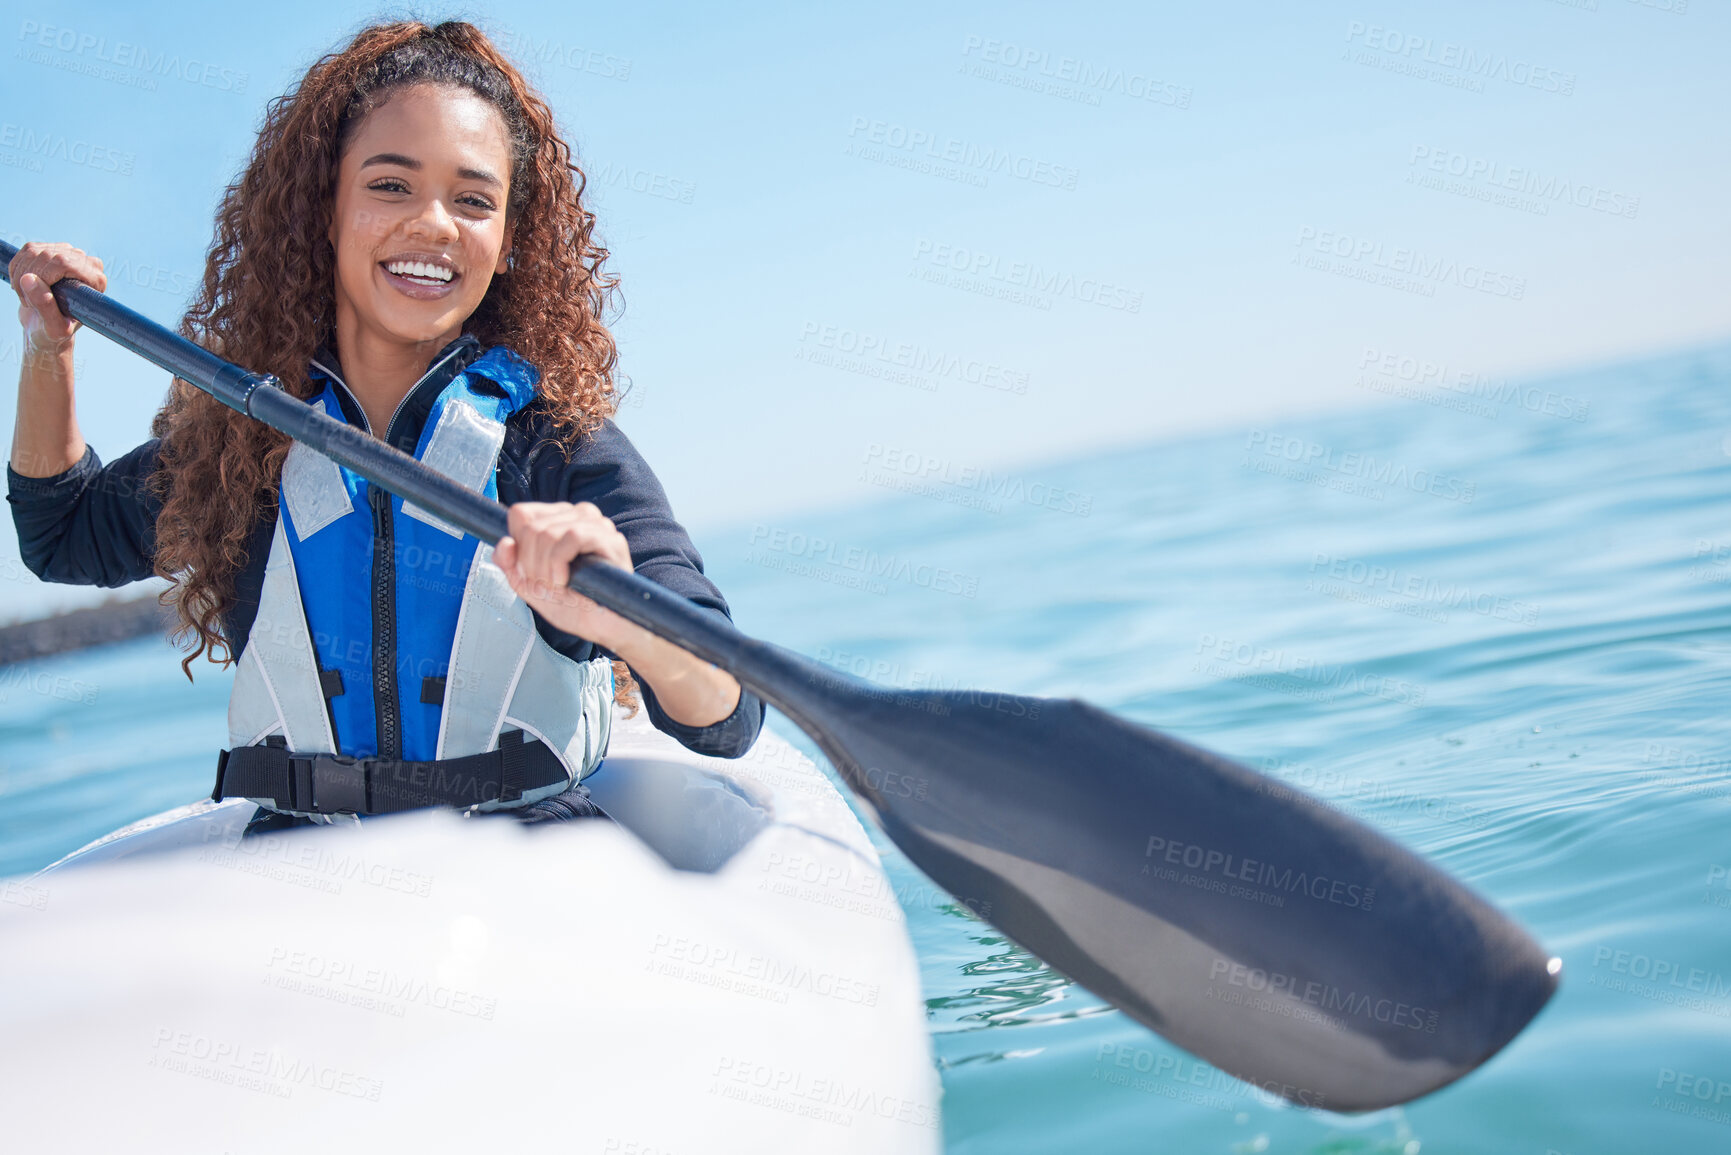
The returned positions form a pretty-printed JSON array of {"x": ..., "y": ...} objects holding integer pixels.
[{"x": 433, "y": 221}]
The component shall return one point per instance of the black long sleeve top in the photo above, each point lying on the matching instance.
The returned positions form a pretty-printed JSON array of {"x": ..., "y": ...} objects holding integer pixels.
[{"x": 95, "y": 524}]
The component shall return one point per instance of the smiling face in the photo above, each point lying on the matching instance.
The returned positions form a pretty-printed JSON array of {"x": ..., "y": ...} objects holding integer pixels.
[{"x": 419, "y": 222}]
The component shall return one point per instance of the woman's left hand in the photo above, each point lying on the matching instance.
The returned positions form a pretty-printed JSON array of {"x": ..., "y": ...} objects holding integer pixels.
[{"x": 545, "y": 538}]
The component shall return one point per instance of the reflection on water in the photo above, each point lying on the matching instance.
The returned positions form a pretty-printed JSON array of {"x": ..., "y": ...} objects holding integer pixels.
[{"x": 1009, "y": 988}]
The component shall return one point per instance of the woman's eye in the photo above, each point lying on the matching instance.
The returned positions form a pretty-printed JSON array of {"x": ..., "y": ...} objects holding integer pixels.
[
  {"x": 479, "y": 202},
  {"x": 389, "y": 184}
]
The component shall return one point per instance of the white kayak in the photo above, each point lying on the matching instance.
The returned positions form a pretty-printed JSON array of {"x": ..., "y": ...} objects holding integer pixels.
[{"x": 723, "y": 968}]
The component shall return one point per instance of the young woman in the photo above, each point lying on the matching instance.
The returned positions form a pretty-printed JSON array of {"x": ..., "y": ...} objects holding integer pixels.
[{"x": 409, "y": 248}]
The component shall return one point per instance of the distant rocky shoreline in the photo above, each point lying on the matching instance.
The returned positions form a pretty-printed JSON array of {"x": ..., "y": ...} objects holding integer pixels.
[{"x": 119, "y": 620}]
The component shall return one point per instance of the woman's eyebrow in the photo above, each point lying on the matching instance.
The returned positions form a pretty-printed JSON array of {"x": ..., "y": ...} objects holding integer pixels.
[
  {"x": 395, "y": 158},
  {"x": 409, "y": 162},
  {"x": 482, "y": 175}
]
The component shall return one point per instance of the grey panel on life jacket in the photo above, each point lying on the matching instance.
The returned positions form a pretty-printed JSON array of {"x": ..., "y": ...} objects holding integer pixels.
[
  {"x": 465, "y": 448},
  {"x": 276, "y": 689},
  {"x": 313, "y": 490},
  {"x": 566, "y": 704},
  {"x": 495, "y": 631},
  {"x": 252, "y": 710}
]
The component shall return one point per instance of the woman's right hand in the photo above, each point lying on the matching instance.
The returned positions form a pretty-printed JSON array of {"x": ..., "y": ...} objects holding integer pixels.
[{"x": 37, "y": 266}]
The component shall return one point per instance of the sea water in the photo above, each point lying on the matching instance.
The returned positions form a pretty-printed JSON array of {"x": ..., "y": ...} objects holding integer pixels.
[{"x": 1492, "y": 619}]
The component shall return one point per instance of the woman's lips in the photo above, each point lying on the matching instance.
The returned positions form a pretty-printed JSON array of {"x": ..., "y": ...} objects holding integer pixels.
[{"x": 420, "y": 290}]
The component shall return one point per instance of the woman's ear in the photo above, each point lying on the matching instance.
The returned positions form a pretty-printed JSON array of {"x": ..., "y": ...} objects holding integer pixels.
[{"x": 504, "y": 265}]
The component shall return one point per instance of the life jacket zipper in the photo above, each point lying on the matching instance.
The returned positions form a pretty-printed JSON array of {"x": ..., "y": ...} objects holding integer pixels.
[
  {"x": 386, "y": 713},
  {"x": 401, "y": 401}
]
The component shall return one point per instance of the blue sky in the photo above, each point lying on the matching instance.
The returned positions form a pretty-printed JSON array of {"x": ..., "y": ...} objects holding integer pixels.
[{"x": 990, "y": 234}]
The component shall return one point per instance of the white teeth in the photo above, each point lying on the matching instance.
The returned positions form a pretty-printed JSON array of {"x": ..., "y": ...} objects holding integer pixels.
[{"x": 419, "y": 269}]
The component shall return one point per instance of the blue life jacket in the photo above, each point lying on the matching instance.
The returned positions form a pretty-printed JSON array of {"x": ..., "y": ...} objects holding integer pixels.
[
  {"x": 382, "y": 584},
  {"x": 389, "y": 638}
]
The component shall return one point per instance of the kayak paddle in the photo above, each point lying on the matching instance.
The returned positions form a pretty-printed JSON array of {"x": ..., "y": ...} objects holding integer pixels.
[{"x": 1279, "y": 940}]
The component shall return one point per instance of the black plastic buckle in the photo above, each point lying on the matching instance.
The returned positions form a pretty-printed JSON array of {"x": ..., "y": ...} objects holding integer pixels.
[{"x": 330, "y": 784}]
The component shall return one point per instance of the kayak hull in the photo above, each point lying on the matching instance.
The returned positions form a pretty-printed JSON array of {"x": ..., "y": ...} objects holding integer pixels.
[{"x": 724, "y": 967}]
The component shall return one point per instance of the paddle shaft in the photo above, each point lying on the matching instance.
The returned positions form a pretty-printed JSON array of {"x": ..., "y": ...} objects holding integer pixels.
[{"x": 261, "y": 397}]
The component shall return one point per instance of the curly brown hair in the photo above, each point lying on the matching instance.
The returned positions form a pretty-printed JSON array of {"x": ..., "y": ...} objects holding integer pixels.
[{"x": 268, "y": 297}]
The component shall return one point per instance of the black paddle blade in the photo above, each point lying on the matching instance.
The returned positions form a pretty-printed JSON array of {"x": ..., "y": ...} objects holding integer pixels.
[{"x": 1275, "y": 938}]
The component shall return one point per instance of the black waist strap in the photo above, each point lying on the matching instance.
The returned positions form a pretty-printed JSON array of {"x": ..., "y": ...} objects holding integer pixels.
[{"x": 332, "y": 783}]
